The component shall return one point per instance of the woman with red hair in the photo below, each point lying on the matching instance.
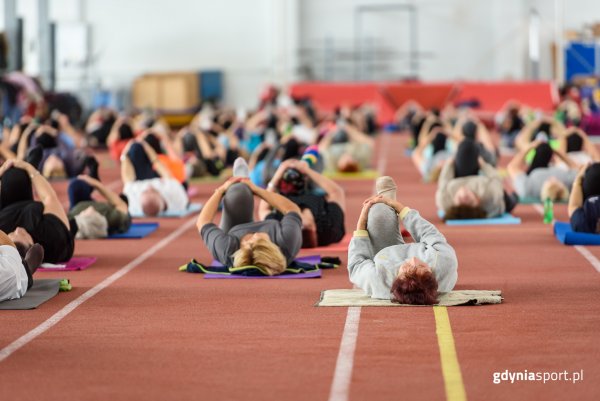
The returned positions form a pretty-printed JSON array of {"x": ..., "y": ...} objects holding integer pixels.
[{"x": 385, "y": 267}]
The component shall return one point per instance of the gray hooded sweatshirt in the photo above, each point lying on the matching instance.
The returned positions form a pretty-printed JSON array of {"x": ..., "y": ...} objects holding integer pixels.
[{"x": 375, "y": 273}]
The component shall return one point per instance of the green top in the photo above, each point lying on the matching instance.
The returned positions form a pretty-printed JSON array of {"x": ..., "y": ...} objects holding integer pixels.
[{"x": 118, "y": 222}]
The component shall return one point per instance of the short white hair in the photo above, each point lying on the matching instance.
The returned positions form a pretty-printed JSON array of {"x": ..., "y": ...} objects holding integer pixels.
[{"x": 91, "y": 226}]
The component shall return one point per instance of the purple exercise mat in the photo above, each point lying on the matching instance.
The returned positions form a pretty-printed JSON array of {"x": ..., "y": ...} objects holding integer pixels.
[
  {"x": 73, "y": 264},
  {"x": 311, "y": 259},
  {"x": 313, "y": 274}
]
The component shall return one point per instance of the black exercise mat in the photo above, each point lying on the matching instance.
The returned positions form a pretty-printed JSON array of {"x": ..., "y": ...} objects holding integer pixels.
[{"x": 40, "y": 292}]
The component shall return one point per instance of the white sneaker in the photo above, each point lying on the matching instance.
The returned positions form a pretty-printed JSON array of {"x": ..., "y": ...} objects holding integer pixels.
[{"x": 240, "y": 168}]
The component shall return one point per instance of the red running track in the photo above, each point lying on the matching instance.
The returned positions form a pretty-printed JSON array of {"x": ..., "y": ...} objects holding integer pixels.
[{"x": 156, "y": 334}]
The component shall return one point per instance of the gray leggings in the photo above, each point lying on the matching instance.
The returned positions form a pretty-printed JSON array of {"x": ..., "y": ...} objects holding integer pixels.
[
  {"x": 383, "y": 227},
  {"x": 238, "y": 206}
]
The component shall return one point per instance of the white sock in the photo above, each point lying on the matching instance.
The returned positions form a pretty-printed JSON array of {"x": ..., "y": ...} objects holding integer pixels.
[{"x": 240, "y": 168}]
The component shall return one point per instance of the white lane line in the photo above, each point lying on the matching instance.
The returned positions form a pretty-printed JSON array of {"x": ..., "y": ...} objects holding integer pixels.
[
  {"x": 588, "y": 255},
  {"x": 342, "y": 375},
  {"x": 579, "y": 248},
  {"x": 340, "y": 387},
  {"x": 61, "y": 314}
]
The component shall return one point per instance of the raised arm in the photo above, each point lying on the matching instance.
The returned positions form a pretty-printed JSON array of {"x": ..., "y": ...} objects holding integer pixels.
[
  {"x": 160, "y": 168},
  {"x": 326, "y": 141},
  {"x": 67, "y": 128},
  {"x": 91, "y": 122},
  {"x": 361, "y": 266},
  {"x": 24, "y": 141},
  {"x": 517, "y": 165},
  {"x": 426, "y": 127},
  {"x": 405, "y": 108},
  {"x": 5, "y": 239},
  {"x": 589, "y": 147},
  {"x": 109, "y": 195},
  {"x": 279, "y": 202},
  {"x": 127, "y": 169},
  {"x": 523, "y": 138},
  {"x": 333, "y": 191},
  {"x": 264, "y": 208},
  {"x": 6, "y": 153},
  {"x": 113, "y": 135},
  {"x": 253, "y": 122},
  {"x": 565, "y": 158},
  {"x": 162, "y": 133},
  {"x": 447, "y": 173}
]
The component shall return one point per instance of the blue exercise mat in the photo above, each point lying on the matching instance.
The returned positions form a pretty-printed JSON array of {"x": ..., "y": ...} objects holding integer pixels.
[
  {"x": 567, "y": 236},
  {"x": 192, "y": 208},
  {"x": 137, "y": 230},
  {"x": 505, "y": 219}
]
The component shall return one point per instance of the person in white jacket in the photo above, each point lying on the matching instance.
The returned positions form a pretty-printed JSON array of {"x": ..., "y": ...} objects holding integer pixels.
[
  {"x": 16, "y": 269},
  {"x": 149, "y": 186},
  {"x": 385, "y": 267}
]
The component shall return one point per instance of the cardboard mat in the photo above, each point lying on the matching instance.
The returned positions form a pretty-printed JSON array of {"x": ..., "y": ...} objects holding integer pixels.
[{"x": 357, "y": 297}]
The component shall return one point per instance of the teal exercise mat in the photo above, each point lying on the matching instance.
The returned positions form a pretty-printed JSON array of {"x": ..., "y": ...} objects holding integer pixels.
[
  {"x": 537, "y": 201},
  {"x": 40, "y": 292},
  {"x": 565, "y": 234},
  {"x": 505, "y": 219}
]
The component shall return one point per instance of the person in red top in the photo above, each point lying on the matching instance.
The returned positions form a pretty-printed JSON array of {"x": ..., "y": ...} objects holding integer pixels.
[{"x": 120, "y": 135}]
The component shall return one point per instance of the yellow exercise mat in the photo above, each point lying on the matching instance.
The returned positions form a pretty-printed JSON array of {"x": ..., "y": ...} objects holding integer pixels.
[
  {"x": 357, "y": 297},
  {"x": 359, "y": 175}
]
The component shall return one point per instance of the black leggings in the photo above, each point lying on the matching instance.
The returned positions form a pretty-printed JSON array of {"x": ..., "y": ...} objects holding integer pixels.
[
  {"x": 141, "y": 163},
  {"x": 79, "y": 191},
  {"x": 466, "y": 161},
  {"x": 213, "y": 166},
  {"x": 16, "y": 187},
  {"x": 543, "y": 155}
]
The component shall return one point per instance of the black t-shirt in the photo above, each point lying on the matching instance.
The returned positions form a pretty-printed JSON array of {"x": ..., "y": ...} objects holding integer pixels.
[
  {"x": 45, "y": 229},
  {"x": 329, "y": 217}
]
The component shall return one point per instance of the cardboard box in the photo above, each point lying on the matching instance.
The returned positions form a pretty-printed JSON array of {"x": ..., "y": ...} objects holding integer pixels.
[
  {"x": 167, "y": 92},
  {"x": 572, "y": 35}
]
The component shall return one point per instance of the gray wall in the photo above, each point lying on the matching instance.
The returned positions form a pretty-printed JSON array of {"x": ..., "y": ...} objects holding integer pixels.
[{"x": 260, "y": 41}]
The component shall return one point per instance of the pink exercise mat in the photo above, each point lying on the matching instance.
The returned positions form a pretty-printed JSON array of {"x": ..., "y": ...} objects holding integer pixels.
[{"x": 80, "y": 263}]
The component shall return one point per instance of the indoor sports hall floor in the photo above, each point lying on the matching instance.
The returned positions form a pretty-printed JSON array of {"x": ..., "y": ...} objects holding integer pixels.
[{"x": 134, "y": 328}]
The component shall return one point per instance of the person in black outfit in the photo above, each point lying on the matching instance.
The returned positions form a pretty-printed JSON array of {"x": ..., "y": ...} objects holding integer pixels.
[
  {"x": 322, "y": 214},
  {"x": 28, "y": 221},
  {"x": 584, "y": 201}
]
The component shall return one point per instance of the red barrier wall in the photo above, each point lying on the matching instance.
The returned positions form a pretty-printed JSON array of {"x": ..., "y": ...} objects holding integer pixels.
[
  {"x": 427, "y": 95},
  {"x": 492, "y": 96},
  {"x": 388, "y": 96}
]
